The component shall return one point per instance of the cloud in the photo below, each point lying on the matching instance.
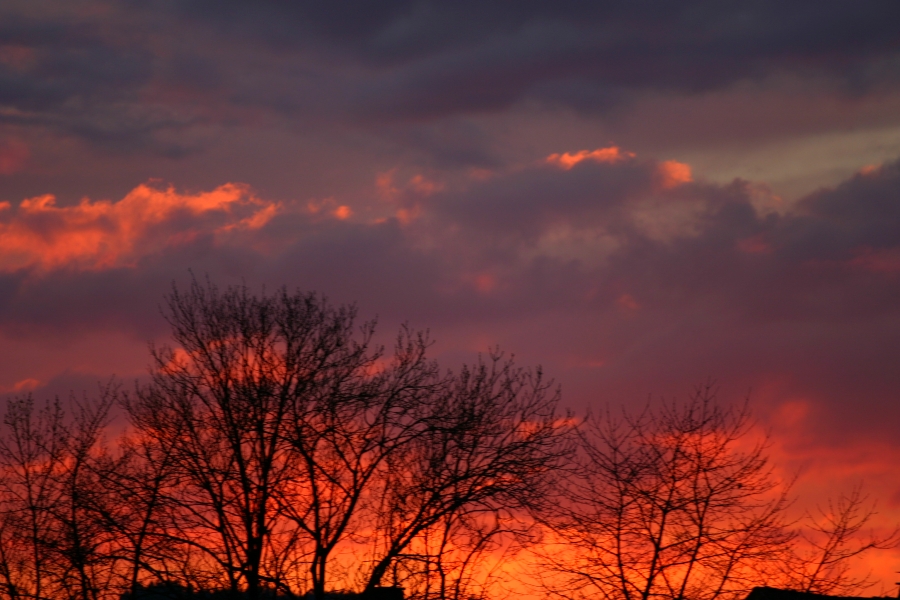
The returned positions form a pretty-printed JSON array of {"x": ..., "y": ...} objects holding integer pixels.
[
  {"x": 91, "y": 235},
  {"x": 622, "y": 273},
  {"x": 584, "y": 228},
  {"x": 150, "y": 76},
  {"x": 567, "y": 160},
  {"x": 572, "y": 196},
  {"x": 13, "y": 156},
  {"x": 677, "y": 283}
]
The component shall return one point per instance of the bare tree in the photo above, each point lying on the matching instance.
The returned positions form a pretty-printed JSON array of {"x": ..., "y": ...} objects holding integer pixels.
[
  {"x": 677, "y": 502},
  {"x": 290, "y": 439},
  {"x": 223, "y": 400},
  {"x": 363, "y": 414},
  {"x": 493, "y": 443},
  {"x": 31, "y": 454},
  {"x": 54, "y": 540},
  {"x": 137, "y": 480},
  {"x": 83, "y": 553},
  {"x": 829, "y": 540}
]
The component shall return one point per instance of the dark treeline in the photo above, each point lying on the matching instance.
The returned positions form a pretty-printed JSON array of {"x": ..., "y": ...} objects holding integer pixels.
[{"x": 277, "y": 451}]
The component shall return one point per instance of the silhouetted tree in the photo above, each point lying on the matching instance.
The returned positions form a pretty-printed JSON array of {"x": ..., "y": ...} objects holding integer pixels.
[
  {"x": 488, "y": 456},
  {"x": 289, "y": 435},
  {"x": 677, "y": 502},
  {"x": 32, "y": 452},
  {"x": 84, "y": 553},
  {"x": 829, "y": 539},
  {"x": 363, "y": 414},
  {"x": 53, "y": 539},
  {"x": 224, "y": 402},
  {"x": 277, "y": 450},
  {"x": 138, "y": 510}
]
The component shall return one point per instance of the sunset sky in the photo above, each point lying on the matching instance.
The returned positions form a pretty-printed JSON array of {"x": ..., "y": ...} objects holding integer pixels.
[{"x": 639, "y": 196}]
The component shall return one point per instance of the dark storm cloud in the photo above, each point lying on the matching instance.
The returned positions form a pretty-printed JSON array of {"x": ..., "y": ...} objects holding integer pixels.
[
  {"x": 398, "y": 31},
  {"x": 860, "y": 214},
  {"x": 428, "y": 59},
  {"x": 47, "y": 61},
  {"x": 77, "y": 75},
  {"x": 140, "y": 75}
]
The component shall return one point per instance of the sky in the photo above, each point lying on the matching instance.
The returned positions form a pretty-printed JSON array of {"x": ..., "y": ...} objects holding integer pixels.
[{"x": 641, "y": 197}]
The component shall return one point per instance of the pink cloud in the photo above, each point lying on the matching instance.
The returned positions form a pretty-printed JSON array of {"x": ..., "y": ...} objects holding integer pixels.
[
  {"x": 756, "y": 244},
  {"x": 405, "y": 198},
  {"x": 14, "y": 154},
  {"x": 885, "y": 261},
  {"x": 328, "y": 207}
]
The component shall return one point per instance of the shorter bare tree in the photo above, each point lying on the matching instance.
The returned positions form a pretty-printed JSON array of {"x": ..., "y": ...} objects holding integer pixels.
[
  {"x": 54, "y": 542},
  {"x": 677, "y": 502},
  {"x": 831, "y": 537},
  {"x": 32, "y": 452}
]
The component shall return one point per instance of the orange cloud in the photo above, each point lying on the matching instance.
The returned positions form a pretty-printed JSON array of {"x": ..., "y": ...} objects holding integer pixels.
[
  {"x": 421, "y": 185},
  {"x": 102, "y": 234},
  {"x": 384, "y": 182},
  {"x": 406, "y": 197},
  {"x": 609, "y": 155},
  {"x": 870, "y": 170},
  {"x": 329, "y": 207},
  {"x": 405, "y": 216},
  {"x": 671, "y": 173}
]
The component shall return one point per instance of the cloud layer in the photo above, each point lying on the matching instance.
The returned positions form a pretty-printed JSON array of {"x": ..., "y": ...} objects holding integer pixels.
[
  {"x": 144, "y": 75},
  {"x": 676, "y": 279}
]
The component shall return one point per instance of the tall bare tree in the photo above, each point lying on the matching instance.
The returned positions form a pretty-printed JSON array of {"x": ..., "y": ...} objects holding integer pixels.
[
  {"x": 138, "y": 481},
  {"x": 287, "y": 434},
  {"x": 84, "y": 553},
  {"x": 223, "y": 400}
]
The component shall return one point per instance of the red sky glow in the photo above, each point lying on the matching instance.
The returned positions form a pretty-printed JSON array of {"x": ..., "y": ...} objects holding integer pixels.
[{"x": 639, "y": 201}]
